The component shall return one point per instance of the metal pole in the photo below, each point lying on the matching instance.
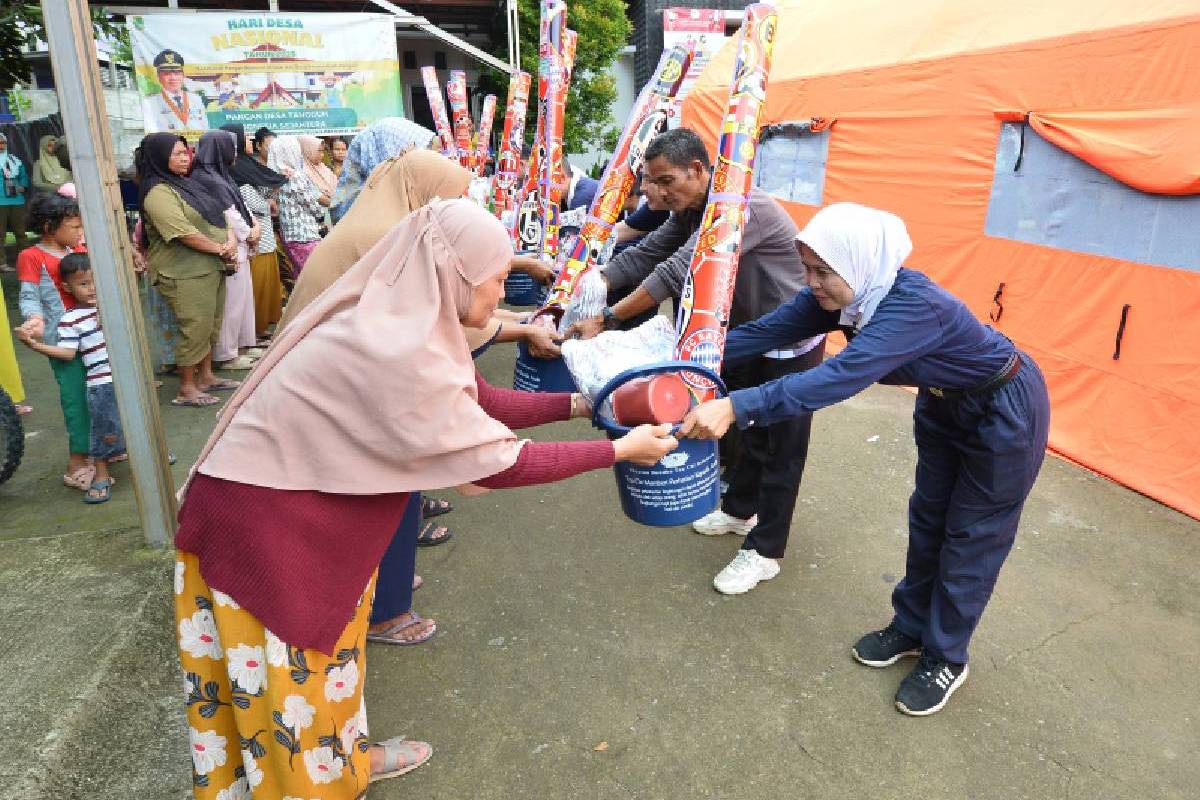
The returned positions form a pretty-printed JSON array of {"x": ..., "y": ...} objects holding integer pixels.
[
  {"x": 81, "y": 100},
  {"x": 515, "y": 26}
]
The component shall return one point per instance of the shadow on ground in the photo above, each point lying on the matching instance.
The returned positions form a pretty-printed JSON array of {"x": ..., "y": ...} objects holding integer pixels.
[{"x": 582, "y": 656}]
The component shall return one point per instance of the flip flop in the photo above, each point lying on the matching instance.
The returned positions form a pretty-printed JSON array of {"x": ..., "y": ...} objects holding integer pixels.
[
  {"x": 387, "y": 635},
  {"x": 105, "y": 489},
  {"x": 405, "y": 754},
  {"x": 434, "y": 507},
  {"x": 200, "y": 401},
  {"x": 222, "y": 385},
  {"x": 23, "y": 409},
  {"x": 426, "y": 538},
  {"x": 81, "y": 478}
]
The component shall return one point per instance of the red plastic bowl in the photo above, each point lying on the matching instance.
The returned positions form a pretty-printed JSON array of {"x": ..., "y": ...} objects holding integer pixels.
[{"x": 652, "y": 400}]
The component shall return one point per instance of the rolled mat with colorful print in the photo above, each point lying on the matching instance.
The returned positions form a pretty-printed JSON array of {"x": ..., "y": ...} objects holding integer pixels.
[
  {"x": 482, "y": 144},
  {"x": 512, "y": 139},
  {"x": 708, "y": 290},
  {"x": 646, "y": 120},
  {"x": 441, "y": 122},
  {"x": 456, "y": 93}
]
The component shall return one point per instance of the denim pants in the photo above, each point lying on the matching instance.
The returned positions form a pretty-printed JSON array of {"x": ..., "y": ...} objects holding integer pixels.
[{"x": 107, "y": 439}]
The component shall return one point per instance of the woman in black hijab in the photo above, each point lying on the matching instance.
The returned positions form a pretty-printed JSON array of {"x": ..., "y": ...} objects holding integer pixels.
[
  {"x": 188, "y": 247},
  {"x": 215, "y": 154},
  {"x": 255, "y": 184}
]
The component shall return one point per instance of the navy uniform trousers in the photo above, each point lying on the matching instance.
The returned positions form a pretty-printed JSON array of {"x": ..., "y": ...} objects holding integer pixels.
[
  {"x": 977, "y": 459},
  {"x": 393, "y": 587}
]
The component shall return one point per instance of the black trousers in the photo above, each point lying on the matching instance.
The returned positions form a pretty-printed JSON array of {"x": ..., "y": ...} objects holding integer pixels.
[{"x": 764, "y": 478}]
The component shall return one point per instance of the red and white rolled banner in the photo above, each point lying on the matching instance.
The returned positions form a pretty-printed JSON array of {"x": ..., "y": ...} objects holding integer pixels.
[
  {"x": 441, "y": 122},
  {"x": 508, "y": 157},
  {"x": 708, "y": 291},
  {"x": 456, "y": 93},
  {"x": 484, "y": 134},
  {"x": 553, "y": 173},
  {"x": 647, "y": 119}
]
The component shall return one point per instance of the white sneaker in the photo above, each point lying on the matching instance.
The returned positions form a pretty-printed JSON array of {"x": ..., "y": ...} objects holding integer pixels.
[
  {"x": 745, "y": 572},
  {"x": 719, "y": 522}
]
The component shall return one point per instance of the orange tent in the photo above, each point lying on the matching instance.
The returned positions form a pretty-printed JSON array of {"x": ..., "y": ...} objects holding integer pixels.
[{"x": 1046, "y": 157}]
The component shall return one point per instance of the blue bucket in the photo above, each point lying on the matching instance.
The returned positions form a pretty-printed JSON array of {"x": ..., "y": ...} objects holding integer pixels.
[
  {"x": 520, "y": 289},
  {"x": 682, "y": 487},
  {"x": 541, "y": 374}
]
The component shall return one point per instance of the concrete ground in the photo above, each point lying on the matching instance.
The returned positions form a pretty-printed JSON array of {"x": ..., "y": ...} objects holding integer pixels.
[{"x": 583, "y": 656}]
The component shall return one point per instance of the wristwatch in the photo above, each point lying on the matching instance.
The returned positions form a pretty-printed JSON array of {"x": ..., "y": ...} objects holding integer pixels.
[{"x": 611, "y": 321}]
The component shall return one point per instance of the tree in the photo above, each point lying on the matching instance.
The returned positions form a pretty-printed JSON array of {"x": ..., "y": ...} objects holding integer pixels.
[
  {"x": 603, "y": 30},
  {"x": 21, "y": 26}
]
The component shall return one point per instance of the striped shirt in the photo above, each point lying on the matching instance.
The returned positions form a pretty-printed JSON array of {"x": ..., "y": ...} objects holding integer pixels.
[
  {"x": 256, "y": 203},
  {"x": 79, "y": 329}
]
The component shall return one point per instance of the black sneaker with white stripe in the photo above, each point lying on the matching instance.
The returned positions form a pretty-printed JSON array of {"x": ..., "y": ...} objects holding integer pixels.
[
  {"x": 884, "y": 648},
  {"x": 929, "y": 686}
]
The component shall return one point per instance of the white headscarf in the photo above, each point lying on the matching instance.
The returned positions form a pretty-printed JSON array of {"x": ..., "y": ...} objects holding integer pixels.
[
  {"x": 10, "y": 165},
  {"x": 285, "y": 157},
  {"x": 865, "y": 246}
]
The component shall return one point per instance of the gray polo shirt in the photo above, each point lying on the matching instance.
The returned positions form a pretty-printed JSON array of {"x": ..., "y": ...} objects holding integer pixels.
[{"x": 769, "y": 271}]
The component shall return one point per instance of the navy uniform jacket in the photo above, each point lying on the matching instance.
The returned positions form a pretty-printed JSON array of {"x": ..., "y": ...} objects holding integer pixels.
[{"x": 919, "y": 335}]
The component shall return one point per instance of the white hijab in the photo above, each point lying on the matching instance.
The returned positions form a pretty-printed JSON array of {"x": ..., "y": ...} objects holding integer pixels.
[{"x": 865, "y": 246}]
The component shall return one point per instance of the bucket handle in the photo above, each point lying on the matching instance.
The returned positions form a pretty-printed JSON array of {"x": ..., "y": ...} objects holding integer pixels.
[{"x": 640, "y": 372}]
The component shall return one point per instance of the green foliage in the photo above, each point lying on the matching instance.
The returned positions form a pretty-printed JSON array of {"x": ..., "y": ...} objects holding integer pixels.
[
  {"x": 21, "y": 25},
  {"x": 603, "y": 30}
]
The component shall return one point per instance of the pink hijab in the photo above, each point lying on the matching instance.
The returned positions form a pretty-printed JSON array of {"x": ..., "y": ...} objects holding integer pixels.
[
  {"x": 371, "y": 388},
  {"x": 319, "y": 172}
]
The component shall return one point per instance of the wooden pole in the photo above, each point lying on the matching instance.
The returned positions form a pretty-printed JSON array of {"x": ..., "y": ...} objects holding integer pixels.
[{"x": 85, "y": 120}]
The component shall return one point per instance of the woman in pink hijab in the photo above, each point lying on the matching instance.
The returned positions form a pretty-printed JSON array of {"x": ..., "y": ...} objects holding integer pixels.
[{"x": 367, "y": 395}]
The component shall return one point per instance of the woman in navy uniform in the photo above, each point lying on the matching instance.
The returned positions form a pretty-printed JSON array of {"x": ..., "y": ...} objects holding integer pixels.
[{"x": 981, "y": 420}]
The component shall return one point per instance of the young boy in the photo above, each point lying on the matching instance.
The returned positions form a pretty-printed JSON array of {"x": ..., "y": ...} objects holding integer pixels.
[{"x": 79, "y": 333}]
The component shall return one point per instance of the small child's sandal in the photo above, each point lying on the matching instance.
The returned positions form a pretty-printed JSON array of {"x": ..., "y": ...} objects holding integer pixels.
[{"x": 103, "y": 490}]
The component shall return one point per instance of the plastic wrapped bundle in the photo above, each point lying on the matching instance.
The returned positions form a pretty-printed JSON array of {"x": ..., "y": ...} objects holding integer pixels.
[
  {"x": 591, "y": 295},
  {"x": 594, "y": 362}
]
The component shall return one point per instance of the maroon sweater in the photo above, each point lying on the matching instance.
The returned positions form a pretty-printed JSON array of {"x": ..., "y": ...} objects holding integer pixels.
[{"x": 299, "y": 560}]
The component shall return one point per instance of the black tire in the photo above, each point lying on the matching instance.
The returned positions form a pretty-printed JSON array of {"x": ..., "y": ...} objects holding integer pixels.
[{"x": 12, "y": 437}]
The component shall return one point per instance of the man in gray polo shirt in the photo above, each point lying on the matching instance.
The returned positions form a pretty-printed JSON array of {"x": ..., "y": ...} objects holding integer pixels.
[{"x": 764, "y": 477}]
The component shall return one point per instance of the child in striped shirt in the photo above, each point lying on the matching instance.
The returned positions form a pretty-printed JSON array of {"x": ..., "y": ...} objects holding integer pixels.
[{"x": 79, "y": 333}]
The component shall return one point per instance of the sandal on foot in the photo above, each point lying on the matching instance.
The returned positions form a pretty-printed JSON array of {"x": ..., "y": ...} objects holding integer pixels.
[
  {"x": 118, "y": 458},
  {"x": 222, "y": 385},
  {"x": 23, "y": 409},
  {"x": 81, "y": 478},
  {"x": 199, "y": 401},
  {"x": 388, "y": 635},
  {"x": 401, "y": 755},
  {"x": 432, "y": 507},
  {"x": 426, "y": 537},
  {"x": 103, "y": 490}
]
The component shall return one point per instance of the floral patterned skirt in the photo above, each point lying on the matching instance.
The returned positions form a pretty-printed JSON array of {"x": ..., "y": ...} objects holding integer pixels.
[{"x": 267, "y": 719}]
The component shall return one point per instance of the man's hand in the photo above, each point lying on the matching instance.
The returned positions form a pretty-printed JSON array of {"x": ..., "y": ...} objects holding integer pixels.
[
  {"x": 539, "y": 270},
  {"x": 586, "y": 328},
  {"x": 708, "y": 420},
  {"x": 543, "y": 343}
]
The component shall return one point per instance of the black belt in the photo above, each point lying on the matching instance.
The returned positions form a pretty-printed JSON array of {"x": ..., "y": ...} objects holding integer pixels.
[{"x": 1006, "y": 374}]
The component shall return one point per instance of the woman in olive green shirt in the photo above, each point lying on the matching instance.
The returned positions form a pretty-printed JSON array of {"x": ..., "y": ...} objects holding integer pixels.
[{"x": 189, "y": 248}]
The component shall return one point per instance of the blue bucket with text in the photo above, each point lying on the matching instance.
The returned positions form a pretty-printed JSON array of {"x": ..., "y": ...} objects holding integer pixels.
[
  {"x": 541, "y": 374},
  {"x": 520, "y": 289},
  {"x": 686, "y": 483},
  {"x": 533, "y": 374}
]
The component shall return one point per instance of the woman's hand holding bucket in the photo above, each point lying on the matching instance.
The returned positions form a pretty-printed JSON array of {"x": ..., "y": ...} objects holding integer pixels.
[
  {"x": 645, "y": 444},
  {"x": 708, "y": 420}
]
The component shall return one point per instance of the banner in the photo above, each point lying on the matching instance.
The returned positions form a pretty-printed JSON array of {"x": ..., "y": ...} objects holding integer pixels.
[
  {"x": 700, "y": 29},
  {"x": 319, "y": 74}
]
